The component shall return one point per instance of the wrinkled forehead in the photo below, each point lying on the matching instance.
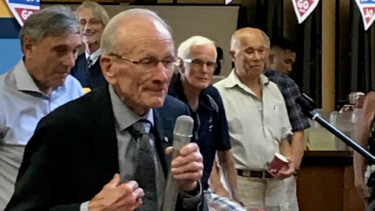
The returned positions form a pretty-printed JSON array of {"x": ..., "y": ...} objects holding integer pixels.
[
  {"x": 70, "y": 39},
  {"x": 86, "y": 14},
  {"x": 136, "y": 38},
  {"x": 206, "y": 51},
  {"x": 252, "y": 39},
  {"x": 283, "y": 52},
  {"x": 290, "y": 54}
]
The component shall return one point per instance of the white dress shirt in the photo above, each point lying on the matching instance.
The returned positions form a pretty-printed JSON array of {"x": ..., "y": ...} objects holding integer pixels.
[
  {"x": 94, "y": 56},
  {"x": 256, "y": 126}
]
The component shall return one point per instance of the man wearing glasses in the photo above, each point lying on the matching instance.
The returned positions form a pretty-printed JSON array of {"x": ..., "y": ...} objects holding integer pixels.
[
  {"x": 197, "y": 63},
  {"x": 92, "y": 18},
  {"x": 108, "y": 150}
]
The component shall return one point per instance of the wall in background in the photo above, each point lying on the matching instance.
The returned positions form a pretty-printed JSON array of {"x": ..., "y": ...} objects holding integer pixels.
[
  {"x": 215, "y": 22},
  {"x": 10, "y": 51}
]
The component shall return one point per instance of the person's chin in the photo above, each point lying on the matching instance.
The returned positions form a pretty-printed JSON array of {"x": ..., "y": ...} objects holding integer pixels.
[
  {"x": 89, "y": 40},
  {"x": 155, "y": 98},
  {"x": 156, "y": 102},
  {"x": 202, "y": 84},
  {"x": 58, "y": 83},
  {"x": 257, "y": 68}
]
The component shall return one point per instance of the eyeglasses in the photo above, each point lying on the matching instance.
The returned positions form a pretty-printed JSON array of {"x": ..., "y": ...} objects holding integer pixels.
[
  {"x": 91, "y": 22},
  {"x": 149, "y": 62},
  {"x": 200, "y": 63}
]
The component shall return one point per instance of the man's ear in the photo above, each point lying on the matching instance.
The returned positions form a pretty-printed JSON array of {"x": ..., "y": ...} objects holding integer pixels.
[
  {"x": 232, "y": 55},
  {"x": 108, "y": 72},
  {"x": 27, "y": 45},
  {"x": 181, "y": 65},
  {"x": 271, "y": 58}
]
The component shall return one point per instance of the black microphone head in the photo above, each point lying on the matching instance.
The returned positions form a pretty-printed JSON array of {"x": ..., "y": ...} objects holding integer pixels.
[{"x": 305, "y": 104}]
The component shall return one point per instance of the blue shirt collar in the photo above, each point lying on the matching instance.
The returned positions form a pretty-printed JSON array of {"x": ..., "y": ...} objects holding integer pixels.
[
  {"x": 24, "y": 81},
  {"x": 123, "y": 115}
]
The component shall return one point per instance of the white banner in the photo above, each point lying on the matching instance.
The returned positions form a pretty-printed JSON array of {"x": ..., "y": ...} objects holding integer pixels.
[
  {"x": 304, "y": 8},
  {"x": 22, "y": 9},
  {"x": 367, "y": 8}
]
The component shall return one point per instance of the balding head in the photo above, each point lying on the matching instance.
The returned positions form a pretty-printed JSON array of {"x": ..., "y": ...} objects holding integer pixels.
[
  {"x": 137, "y": 58},
  {"x": 248, "y": 34},
  {"x": 131, "y": 23},
  {"x": 249, "y": 51}
]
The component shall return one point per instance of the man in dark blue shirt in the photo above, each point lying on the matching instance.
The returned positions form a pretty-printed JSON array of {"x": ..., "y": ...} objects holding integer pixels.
[
  {"x": 92, "y": 18},
  {"x": 197, "y": 62}
]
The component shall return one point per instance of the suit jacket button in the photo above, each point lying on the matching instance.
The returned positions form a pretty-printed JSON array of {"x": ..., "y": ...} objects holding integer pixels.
[{"x": 166, "y": 139}]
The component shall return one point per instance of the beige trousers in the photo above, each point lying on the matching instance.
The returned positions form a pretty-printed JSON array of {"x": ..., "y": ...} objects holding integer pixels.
[
  {"x": 266, "y": 194},
  {"x": 291, "y": 190}
]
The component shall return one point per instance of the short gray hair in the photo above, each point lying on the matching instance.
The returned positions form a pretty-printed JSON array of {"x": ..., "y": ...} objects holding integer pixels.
[
  {"x": 267, "y": 41},
  {"x": 97, "y": 10},
  {"x": 51, "y": 21},
  {"x": 109, "y": 37},
  {"x": 184, "y": 48}
]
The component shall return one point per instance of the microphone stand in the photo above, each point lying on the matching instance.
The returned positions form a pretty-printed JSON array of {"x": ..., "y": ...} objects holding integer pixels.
[{"x": 308, "y": 108}]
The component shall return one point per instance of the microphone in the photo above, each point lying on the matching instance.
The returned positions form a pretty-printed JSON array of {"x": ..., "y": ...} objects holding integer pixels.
[
  {"x": 308, "y": 108},
  {"x": 181, "y": 136}
]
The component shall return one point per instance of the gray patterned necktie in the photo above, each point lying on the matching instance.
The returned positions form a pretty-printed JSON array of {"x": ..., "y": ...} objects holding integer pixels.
[
  {"x": 145, "y": 172},
  {"x": 89, "y": 62}
]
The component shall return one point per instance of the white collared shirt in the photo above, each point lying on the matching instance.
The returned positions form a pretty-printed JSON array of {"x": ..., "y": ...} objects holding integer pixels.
[
  {"x": 22, "y": 106},
  {"x": 94, "y": 56},
  {"x": 256, "y": 126}
]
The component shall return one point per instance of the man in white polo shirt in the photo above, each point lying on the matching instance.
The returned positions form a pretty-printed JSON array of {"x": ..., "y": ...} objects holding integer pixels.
[{"x": 258, "y": 123}]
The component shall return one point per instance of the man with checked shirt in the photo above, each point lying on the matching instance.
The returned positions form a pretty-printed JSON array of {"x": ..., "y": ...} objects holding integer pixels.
[{"x": 280, "y": 62}]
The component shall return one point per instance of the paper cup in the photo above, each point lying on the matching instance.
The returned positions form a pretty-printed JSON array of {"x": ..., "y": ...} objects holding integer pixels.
[{"x": 278, "y": 162}]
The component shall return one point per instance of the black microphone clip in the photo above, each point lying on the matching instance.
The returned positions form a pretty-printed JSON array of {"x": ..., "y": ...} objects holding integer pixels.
[{"x": 307, "y": 105}]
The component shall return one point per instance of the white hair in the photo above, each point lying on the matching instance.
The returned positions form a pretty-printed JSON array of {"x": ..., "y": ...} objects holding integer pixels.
[
  {"x": 184, "y": 49},
  {"x": 109, "y": 41}
]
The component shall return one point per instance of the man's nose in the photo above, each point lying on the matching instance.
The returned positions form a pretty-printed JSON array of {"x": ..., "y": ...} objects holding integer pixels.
[
  {"x": 256, "y": 55},
  {"x": 161, "y": 73},
  {"x": 290, "y": 68},
  {"x": 204, "y": 67},
  {"x": 87, "y": 26},
  {"x": 69, "y": 60}
]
